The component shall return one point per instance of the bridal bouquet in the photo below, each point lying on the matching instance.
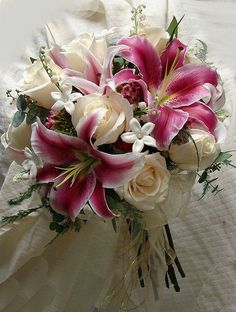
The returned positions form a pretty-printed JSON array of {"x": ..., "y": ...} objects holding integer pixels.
[{"x": 119, "y": 128}]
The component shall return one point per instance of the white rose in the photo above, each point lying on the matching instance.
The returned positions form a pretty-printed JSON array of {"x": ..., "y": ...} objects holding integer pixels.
[
  {"x": 97, "y": 45},
  {"x": 150, "y": 186},
  {"x": 157, "y": 36},
  {"x": 176, "y": 202},
  {"x": 117, "y": 115},
  {"x": 38, "y": 85},
  {"x": 15, "y": 140},
  {"x": 187, "y": 157}
]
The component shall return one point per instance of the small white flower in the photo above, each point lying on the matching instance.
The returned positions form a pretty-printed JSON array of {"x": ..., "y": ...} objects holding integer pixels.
[
  {"x": 65, "y": 99},
  {"x": 139, "y": 136},
  {"x": 31, "y": 164}
]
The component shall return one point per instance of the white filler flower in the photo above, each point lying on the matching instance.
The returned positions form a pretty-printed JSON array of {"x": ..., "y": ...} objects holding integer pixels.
[
  {"x": 139, "y": 136},
  {"x": 65, "y": 99}
]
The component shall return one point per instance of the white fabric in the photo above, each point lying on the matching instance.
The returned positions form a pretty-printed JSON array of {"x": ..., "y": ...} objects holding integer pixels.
[{"x": 60, "y": 278}]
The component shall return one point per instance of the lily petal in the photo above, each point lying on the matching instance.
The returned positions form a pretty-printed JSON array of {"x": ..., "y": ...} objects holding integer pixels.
[
  {"x": 187, "y": 82},
  {"x": 168, "y": 122},
  {"x": 47, "y": 174},
  {"x": 98, "y": 202},
  {"x": 87, "y": 125},
  {"x": 115, "y": 170},
  {"x": 203, "y": 114},
  {"x": 82, "y": 84},
  {"x": 141, "y": 53},
  {"x": 174, "y": 53},
  {"x": 69, "y": 200},
  {"x": 58, "y": 56},
  {"x": 46, "y": 144},
  {"x": 124, "y": 76},
  {"x": 93, "y": 69}
]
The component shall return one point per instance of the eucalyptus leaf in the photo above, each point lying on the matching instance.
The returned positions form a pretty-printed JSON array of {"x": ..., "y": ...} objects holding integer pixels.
[
  {"x": 31, "y": 117},
  {"x": 21, "y": 103},
  {"x": 223, "y": 157},
  {"x": 18, "y": 118}
]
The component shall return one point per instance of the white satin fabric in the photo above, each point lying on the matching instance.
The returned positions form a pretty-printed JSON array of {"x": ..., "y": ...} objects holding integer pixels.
[{"x": 74, "y": 272}]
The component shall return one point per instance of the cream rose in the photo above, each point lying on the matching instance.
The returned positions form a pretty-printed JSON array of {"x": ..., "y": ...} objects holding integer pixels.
[
  {"x": 187, "y": 157},
  {"x": 38, "y": 85},
  {"x": 150, "y": 186},
  {"x": 176, "y": 202},
  {"x": 117, "y": 113},
  {"x": 157, "y": 36},
  {"x": 74, "y": 51},
  {"x": 17, "y": 138}
]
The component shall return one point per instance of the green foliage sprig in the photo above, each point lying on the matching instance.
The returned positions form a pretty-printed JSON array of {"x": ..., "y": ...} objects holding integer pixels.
[
  {"x": 223, "y": 159},
  {"x": 25, "y": 195},
  {"x": 19, "y": 215}
]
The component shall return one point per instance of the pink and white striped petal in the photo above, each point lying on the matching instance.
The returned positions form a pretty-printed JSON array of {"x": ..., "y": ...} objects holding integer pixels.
[
  {"x": 53, "y": 147},
  {"x": 87, "y": 125},
  {"x": 202, "y": 114},
  {"x": 186, "y": 80},
  {"x": 141, "y": 53},
  {"x": 58, "y": 56},
  {"x": 168, "y": 123},
  {"x": 173, "y": 56},
  {"x": 98, "y": 202},
  {"x": 115, "y": 170},
  {"x": 70, "y": 199}
]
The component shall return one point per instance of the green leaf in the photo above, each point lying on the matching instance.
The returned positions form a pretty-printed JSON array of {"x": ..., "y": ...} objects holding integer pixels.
[
  {"x": 21, "y": 103},
  {"x": 203, "y": 177},
  {"x": 23, "y": 196},
  {"x": 223, "y": 157},
  {"x": 18, "y": 118},
  {"x": 31, "y": 117},
  {"x": 173, "y": 28}
]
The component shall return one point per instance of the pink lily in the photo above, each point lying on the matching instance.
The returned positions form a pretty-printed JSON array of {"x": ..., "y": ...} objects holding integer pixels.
[
  {"x": 176, "y": 94},
  {"x": 77, "y": 171},
  {"x": 98, "y": 78}
]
